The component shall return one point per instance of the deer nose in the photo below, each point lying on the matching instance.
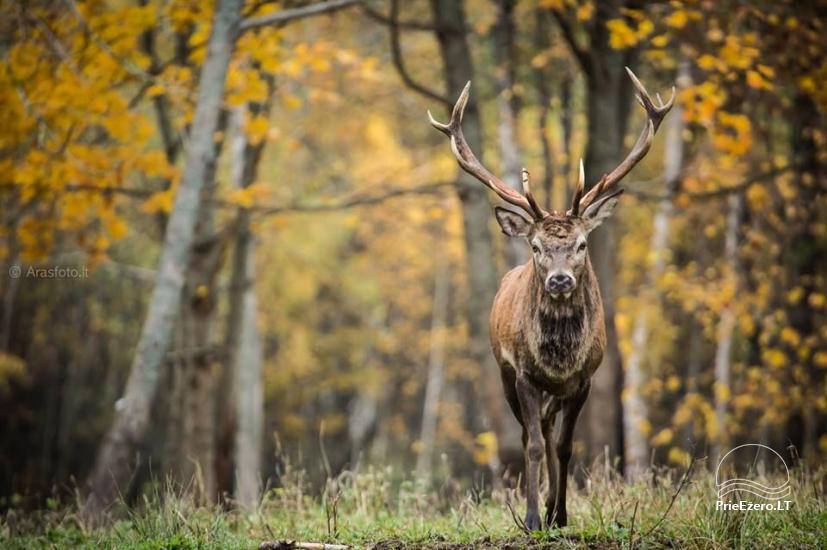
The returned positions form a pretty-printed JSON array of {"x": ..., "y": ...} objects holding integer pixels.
[{"x": 560, "y": 282}]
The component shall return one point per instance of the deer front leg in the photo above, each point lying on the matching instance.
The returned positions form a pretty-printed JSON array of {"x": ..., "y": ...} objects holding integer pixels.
[
  {"x": 531, "y": 401},
  {"x": 549, "y": 415},
  {"x": 571, "y": 410}
]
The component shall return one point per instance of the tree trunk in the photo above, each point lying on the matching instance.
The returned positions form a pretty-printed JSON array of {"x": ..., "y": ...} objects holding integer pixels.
[
  {"x": 508, "y": 110},
  {"x": 635, "y": 407},
  {"x": 115, "y": 460},
  {"x": 248, "y": 386},
  {"x": 542, "y": 43},
  {"x": 805, "y": 263},
  {"x": 194, "y": 462},
  {"x": 244, "y": 409},
  {"x": 726, "y": 329},
  {"x": 449, "y": 15},
  {"x": 436, "y": 365},
  {"x": 608, "y": 101}
]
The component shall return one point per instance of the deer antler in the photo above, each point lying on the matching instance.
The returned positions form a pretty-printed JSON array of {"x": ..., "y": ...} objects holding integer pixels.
[
  {"x": 469, "y": 163},
  {"x": 654, "y": 116}
]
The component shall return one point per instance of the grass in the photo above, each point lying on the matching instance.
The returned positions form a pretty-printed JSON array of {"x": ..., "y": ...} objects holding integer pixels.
[{"x": 370, "y": 510}]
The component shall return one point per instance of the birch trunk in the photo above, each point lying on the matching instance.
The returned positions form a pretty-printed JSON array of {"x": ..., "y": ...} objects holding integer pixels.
[
  {"x": 436, "y": 366},
  {"x": 246, "y": 403},
  {"x": 247, "y": 382},
  {"x": 508, "y": 110},
  {"x": 726, "y": 329},
  {"x": 636, "y": 416},
  {"x": 542, "y": 43},
  {"x": 116, "y": 457}
]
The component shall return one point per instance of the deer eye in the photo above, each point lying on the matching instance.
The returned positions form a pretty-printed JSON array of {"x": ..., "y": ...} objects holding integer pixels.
[
  {"x": 582, "y": 247},
  {"x": 535, "y": 248}
]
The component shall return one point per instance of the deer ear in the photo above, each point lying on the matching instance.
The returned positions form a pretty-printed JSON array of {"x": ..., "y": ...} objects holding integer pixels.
[
  {"x": 600, "y": 209},
  {"x": 512, "y": 224}
]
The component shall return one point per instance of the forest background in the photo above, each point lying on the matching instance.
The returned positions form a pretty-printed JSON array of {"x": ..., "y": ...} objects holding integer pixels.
[{"x": 281, "y": 267}]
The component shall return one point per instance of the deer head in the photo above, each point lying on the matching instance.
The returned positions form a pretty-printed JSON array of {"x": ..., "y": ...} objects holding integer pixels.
[{"x": 557, "y": 240}]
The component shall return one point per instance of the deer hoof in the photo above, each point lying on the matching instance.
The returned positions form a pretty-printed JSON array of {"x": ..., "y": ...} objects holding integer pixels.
[
  {"x": 532, "y": 521},
  {"x": 556, "y": 520}
]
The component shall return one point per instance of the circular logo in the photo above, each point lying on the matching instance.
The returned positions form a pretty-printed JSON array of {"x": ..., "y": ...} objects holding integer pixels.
[
  {"x": 741, "y": 470},
  {"x": 14, "y": 271}
]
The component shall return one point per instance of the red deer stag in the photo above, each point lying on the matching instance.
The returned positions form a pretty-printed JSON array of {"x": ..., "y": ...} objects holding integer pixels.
[{"x": 547, "y": 327}]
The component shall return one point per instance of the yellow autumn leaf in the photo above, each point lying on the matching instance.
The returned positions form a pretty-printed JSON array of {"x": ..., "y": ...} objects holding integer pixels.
[
  {"x": 774, "y": 357},
  {"x": 585, "y": 11},
  {"x": 485, "y": 448},
  {"x": 257, "y": 129},
  {"x": 790, "y": 336},
  {"x": 116, "y": 227},
  {"x": 621, "y": 35},
  {"x": 291, "y": 101},
  {"x": 160, "y": 202},
  {"x": 660, "y": 41},
  {"x": 755, "y": 80},
  {"x": 242, "y": 197},
  {"x": 155, "y": 90},
  {"x": 663, "y": 437},
  {"x": 678, "y": 457},
  {"x": 677, "y": 20},
  {"x": 707, "y": 62}
]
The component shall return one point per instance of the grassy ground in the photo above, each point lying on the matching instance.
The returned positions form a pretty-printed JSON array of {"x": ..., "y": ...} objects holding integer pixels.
[{"x": 369, "y": 510}]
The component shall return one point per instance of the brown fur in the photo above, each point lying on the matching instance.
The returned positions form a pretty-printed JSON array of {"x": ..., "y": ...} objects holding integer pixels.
[{"x": 547, "y": 350}]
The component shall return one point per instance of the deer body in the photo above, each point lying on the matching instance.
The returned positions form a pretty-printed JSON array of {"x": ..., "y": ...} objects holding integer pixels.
[
  {"x": 559, "y": 345},
  {"x": 547, "y": 326}
]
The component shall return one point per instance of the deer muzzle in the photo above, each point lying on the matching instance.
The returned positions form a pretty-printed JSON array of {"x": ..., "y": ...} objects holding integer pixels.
[{"x": 560, "y": 283}]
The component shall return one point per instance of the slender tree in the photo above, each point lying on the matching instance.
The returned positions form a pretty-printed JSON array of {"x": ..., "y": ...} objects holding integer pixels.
[
  {"x": 436, "y": 364},
  {"x": 508, "y": 112},
  {"x": 245, "y": 407},
  {"x": 115, "y": 459}
]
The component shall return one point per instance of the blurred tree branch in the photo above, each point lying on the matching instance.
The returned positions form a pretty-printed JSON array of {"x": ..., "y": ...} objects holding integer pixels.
[
  {"x": 720, "y": 192},
  {"x": 379, "y": 17},
  {"x": 580, "y": 53},
  {"x": 342, "y": 204},
  {"x": 399, "y": 64},
  {"x": 351, "y": 202},
  {"x": 291, "y": 14},
  {"x": 428, "y": 189}
]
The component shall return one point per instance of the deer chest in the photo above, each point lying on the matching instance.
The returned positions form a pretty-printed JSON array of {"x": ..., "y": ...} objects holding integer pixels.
[{"x": 560, "y": 351}]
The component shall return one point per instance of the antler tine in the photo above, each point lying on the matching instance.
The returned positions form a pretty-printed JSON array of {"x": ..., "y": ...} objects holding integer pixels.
[
  {"x": 468, "y": 161},
  {"x": 655, "y": 115},
  {"x": 455, "y": 124},
  {"x": 578, "y": 192},
  {"x": 537, "y": 212}
]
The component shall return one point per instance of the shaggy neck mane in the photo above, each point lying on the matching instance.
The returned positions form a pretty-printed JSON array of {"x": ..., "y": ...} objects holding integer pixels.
[{"x": 562, "y": 324}]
